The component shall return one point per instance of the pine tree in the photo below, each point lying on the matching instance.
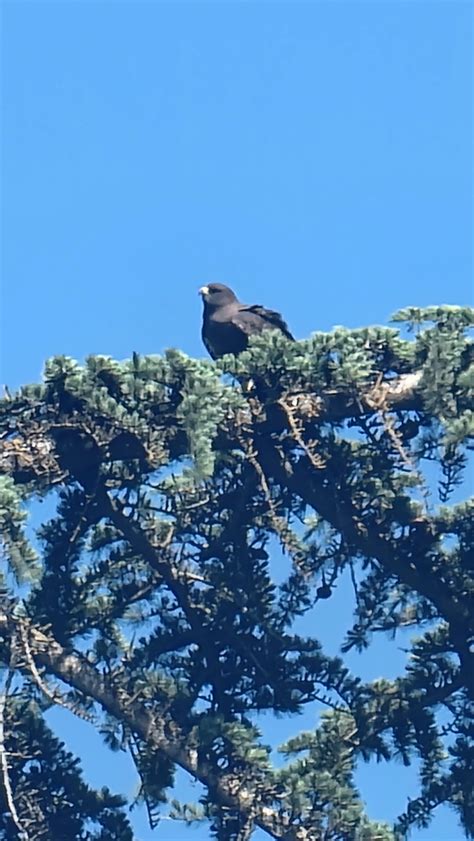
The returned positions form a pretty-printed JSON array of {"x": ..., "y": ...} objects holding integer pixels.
[{"x": 150, "y": 607}]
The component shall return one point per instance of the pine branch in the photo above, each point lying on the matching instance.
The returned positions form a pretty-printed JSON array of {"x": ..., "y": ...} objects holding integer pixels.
[
  {"x": 28, "y": 456},
  {"x": 397, "y": 393},
  {"x": 155, "y": 727},
  {"x": 301, "y": 479}
]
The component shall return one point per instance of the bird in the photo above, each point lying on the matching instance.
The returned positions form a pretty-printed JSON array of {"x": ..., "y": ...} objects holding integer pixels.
[{"x": 228, "y": 324}]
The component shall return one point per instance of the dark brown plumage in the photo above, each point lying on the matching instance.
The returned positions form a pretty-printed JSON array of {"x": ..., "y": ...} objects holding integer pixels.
[{"x": 227, "y": 324}]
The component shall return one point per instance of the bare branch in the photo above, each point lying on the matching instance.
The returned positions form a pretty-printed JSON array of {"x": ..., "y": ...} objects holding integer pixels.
[
  {"x": 52, "y": 694},
  {"x": 22, "y": 833},
  {"x": 154, "y": 727}
]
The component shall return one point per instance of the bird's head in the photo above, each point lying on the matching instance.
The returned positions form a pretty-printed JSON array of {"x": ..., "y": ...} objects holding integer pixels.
[{"x": 217, "y": 295}]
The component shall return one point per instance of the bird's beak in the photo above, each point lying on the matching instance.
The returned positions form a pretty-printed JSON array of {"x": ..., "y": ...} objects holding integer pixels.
[{"x": 204, "y": 290}]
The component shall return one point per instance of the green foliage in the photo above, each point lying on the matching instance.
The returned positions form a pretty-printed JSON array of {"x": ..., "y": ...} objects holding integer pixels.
[
  {"x": 52, "y": 801},
  {"x": 16, "y": 546},
  {"x": 200, "y": 510}
]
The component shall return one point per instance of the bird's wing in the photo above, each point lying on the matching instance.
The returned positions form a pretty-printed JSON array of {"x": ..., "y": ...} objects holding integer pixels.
[
  {"x": 208, "y": 344},
  {"x": 255, "y": 318}
]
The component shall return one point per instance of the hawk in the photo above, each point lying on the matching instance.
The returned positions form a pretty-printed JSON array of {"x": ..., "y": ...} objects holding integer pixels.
[{"x": 228, "y": 324}]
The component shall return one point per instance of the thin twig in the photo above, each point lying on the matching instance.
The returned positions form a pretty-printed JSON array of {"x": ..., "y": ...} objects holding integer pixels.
[
  {"x": 55, "y": 696},
  {"x": 22, "y": 833},
  {"x": 354, "y": 583},
  {"x": 378, "y": 401},
  {"x": 280, "y": 526},
  {"x": 316, "y": 460}
]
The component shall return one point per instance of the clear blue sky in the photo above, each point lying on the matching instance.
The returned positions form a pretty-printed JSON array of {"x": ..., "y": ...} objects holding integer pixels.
[{"x": 314, "y": 156}]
